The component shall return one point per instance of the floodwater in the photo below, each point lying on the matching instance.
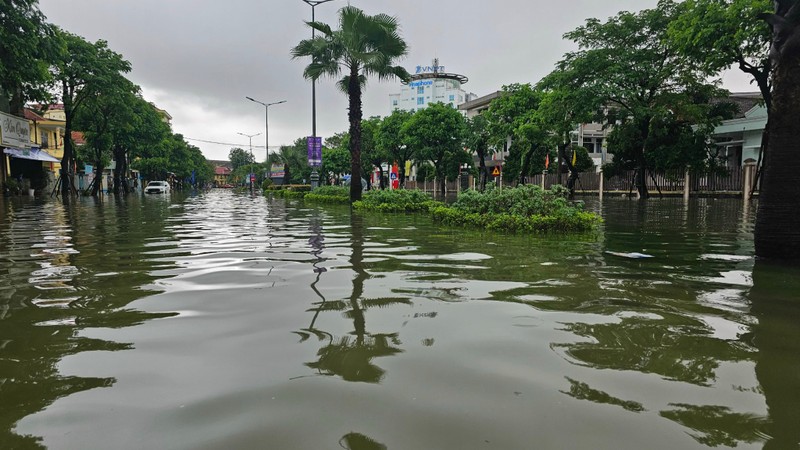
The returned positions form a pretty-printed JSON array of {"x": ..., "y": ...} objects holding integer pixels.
[{"x": 225, "y": 320}]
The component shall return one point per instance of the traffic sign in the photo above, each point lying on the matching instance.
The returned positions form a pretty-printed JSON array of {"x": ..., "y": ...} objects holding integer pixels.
[{"x": 496, "y": 171}]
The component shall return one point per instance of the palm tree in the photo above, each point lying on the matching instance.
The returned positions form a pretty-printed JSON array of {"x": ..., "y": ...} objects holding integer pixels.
[{"x": 363, "y": 45}]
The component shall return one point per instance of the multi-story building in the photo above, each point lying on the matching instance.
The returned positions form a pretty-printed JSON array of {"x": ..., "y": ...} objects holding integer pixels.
[{"x": 431, "y": 84}]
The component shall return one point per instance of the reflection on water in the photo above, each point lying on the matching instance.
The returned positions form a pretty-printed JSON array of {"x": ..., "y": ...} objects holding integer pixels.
[{"x": 387, "y": 331}]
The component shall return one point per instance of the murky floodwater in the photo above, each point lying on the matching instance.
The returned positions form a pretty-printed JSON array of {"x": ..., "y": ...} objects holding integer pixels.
[{"x": 229, "y": 321}]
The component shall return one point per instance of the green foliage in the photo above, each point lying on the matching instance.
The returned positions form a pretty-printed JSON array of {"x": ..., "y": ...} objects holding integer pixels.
[
  {"x": 390, "y": 139},
  {"x": 437, "y": 135},
  {"x": 566, "y": 221},
  {"x": 240, "y": 157},
  {"x": 398, "y": 200},
  {"x": 329, "y": 194},
  {"x": 523, "y": 209},
  {"x": 716, "y": 34},
  {"x": 363, "y": 46},
  {"x": 27, "y": 49},
  {"x": 425, "y": 172},
  {"x": 266, "y": 183}
]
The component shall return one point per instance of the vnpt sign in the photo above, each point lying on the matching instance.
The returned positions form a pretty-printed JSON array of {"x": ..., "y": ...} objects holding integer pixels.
[{"x": 427, "y": 69}]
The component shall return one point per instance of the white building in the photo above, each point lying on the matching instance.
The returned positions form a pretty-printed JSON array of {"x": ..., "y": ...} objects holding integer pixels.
[{"x": 431, "y": 84}]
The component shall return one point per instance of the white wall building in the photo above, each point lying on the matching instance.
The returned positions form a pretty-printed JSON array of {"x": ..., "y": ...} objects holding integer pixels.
[{"x": 431, "y": 84}]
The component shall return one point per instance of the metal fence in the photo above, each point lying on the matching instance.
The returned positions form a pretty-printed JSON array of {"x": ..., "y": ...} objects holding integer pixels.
[{"x": 731, "y": 181}]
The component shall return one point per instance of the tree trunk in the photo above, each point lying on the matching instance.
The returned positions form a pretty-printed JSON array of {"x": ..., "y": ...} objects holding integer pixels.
[
  {"x": 354, "y": 114},
  {"x": 777, "y": 232},
  {"x": 401, "y": 173},
  {"x": 484, "y": 171},
  {"x": 573, "y": 171},
  {"x": 68, "y": 160}
]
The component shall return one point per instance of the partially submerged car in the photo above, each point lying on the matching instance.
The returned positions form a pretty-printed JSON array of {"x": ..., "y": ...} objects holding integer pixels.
[{"x": 157, "y": 187}]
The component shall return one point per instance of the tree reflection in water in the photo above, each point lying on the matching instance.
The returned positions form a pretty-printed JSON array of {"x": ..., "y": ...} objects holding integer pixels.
[
  {"x": 350, "y": 357},
  {"x": 66, "y": 273},
  {"x": 357, "y": 441}
]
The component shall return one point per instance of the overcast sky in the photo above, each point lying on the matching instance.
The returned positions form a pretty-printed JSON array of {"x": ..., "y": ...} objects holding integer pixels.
[{"x": 198, "y": 59}]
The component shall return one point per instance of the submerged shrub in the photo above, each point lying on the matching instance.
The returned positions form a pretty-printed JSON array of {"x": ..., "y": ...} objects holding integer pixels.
[
  {"x": 398, "y": 200},
  {"x": 329, "y": 194}
]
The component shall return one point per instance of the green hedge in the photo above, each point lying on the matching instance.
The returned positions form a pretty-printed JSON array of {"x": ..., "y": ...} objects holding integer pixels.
[
  {"x": 329, "y": 194},
  {"x": 398, "y": 200},
  {"x": 526, "y": 209}
]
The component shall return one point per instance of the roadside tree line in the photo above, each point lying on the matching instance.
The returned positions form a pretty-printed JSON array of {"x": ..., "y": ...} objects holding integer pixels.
[
  {"x": 43, "y": 64},
  {"x": 653, "y": 75}
]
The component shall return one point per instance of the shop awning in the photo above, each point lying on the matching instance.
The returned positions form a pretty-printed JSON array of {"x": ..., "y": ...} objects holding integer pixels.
[{"x": 34, "y": 154}]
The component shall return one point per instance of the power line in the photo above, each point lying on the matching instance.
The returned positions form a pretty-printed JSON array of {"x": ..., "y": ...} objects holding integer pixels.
[{"x": 222, "y": 143}]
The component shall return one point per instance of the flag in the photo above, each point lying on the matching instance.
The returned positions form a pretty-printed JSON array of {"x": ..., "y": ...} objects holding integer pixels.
[
  {"x": 574, "y": 156},
  {"x": 547, "y": 161}
]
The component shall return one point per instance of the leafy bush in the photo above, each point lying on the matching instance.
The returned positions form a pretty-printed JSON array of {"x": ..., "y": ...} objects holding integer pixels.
[
  {"x": 329, "y": 194},
  {"x": 266, "y": 184},
  {"x": 398, "y": 200}
]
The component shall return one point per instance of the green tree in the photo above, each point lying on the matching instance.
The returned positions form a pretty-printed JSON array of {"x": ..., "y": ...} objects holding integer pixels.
[
  {"x": 363, "y": 46},
  {"x": 477, "y": 140},
  {"x": 27, "y": 49},
  {"x": 372, "y": 154},
  {"x": 106, "y": 114},
  {"x": 144, "y": 132},
  {"x": 240, "y": 157},
  {"x": 717, "y": 34},
  {"x": 390, "y": 139},
  {"x": 336, "y": 155},
  {"x": 634, "y": 70},
  {"x": 437, "y": 134},
  {"x": 778, "y": 220},
  {"x": 82, "y": 70},
  {"x": 513, "y": 117}
]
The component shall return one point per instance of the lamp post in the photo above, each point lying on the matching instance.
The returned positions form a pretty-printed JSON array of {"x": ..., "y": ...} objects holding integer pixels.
[
  {"x": 314, "y": 175},
  {"x": 266, "y": 119},
  {"x": 250, "y": 136}
]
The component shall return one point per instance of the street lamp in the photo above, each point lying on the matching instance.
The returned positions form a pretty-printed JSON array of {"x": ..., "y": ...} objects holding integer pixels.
[
  {"x": 250, "y": 136},
  {"x": 266, "y": 121},
  {"x": 314, "y": 176}
]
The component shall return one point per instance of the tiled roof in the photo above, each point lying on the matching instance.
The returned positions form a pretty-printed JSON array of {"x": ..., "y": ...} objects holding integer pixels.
[
  {"x": 30, "y": 115},
  {"x": 219, "y": 170},
  {"x": 78, "y": 138}
]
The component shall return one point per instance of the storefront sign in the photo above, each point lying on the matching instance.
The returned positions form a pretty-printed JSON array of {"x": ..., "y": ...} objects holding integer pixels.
[
  {"x": 420, "y": 83},
  {"x": 14, "y": 131}
]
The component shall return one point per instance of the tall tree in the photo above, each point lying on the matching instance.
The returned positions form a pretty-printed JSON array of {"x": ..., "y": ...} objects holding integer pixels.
[
  {"x": 437, "y": 134},
  {"x": 27, "y": 49},
  {"x": 390, "y": 139},
  {"x": 510, "y": 120},
  {"x": 82, "y": 69},
  {"x": 717, "y": 34},
  {"x": 373, "y": 155},
  {"x": 636, "y": 73},
  {"x": 106, "y": 114},
  {"x": 777, "y": 232},
  {"x": 477, "y": 140},
  {"x": 240, "y": 157},
  {"x": 363, "y": 46}
]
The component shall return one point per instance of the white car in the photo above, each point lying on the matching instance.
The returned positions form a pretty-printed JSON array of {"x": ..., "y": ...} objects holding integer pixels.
[{"x": 157, "y": 187}]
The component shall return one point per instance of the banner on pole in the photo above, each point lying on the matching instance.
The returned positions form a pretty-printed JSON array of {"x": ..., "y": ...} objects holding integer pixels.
[{"x": 314, "y": 151}]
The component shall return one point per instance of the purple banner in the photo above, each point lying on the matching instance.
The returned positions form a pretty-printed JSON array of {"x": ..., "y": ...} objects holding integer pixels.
[{"x": 314, "y": 151}]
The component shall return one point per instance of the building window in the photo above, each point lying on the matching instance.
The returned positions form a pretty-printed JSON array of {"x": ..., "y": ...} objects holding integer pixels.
[
  {"x": 44, "y": 139},
  {"x": 420, "y": 100},
  {"x": 420, "y": 90},
  {"x": 394, "y": 102},
  {"x": 452, "y": 98}
]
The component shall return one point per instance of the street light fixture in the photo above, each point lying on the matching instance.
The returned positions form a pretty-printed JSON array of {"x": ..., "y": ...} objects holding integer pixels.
[
  {"x": 314, "y": 176},
  {"x": 250, "y": 136},
  {"x": 266, "y": 121},
  {"x": 250, "y": 175}
]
